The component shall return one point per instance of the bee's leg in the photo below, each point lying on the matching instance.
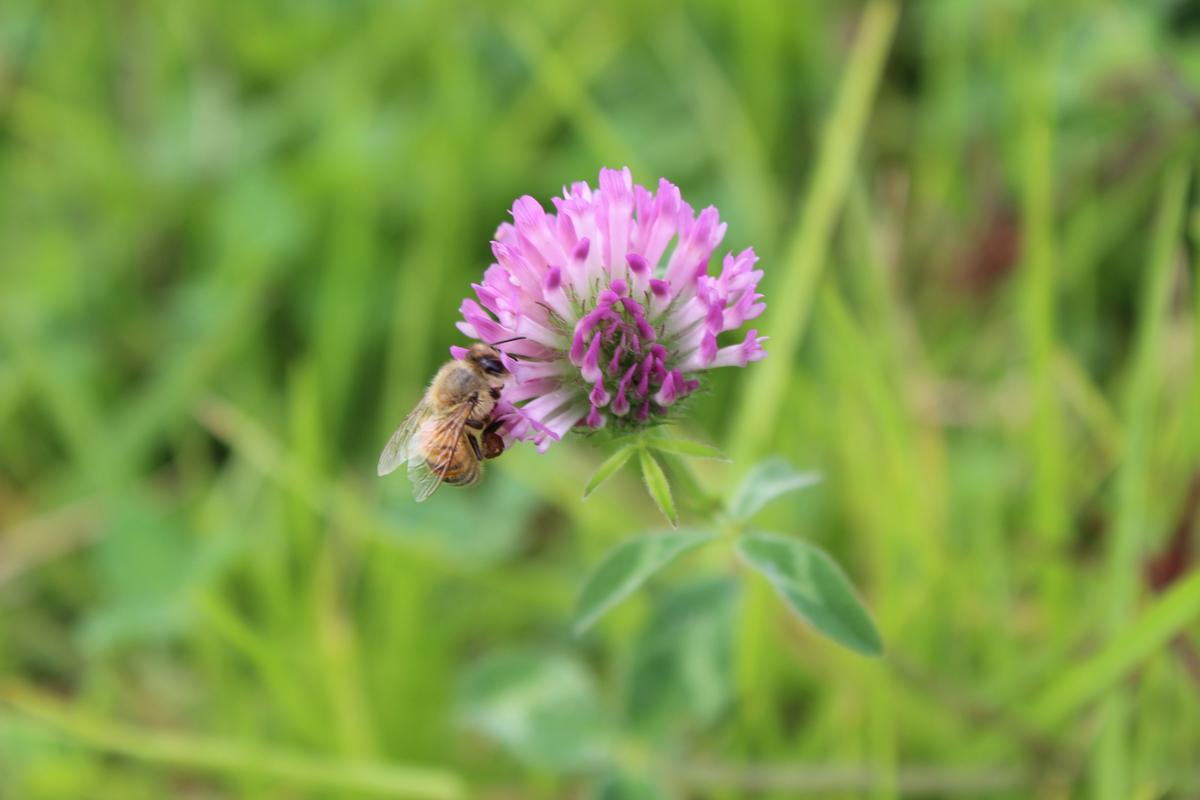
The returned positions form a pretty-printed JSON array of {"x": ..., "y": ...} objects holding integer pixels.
[
  {"x": 493, "y": 443},
  {"x": 475, "y": 447},
  {"x": 475, "y": 424}
]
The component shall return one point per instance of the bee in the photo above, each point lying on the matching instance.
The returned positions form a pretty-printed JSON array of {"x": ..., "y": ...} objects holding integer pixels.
[{"x": 452, "y": 430}]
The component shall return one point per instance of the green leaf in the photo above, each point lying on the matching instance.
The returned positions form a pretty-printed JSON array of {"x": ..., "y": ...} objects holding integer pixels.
[
  {"x": 768, "y": 480},
  {"x": 681, "y": 671},
  {"x": 657, "y": 486},
  {"x": 815, "y": 587},
  {"x": 684, "y": 447},
  {"x": 628, "y": 566},
  {"x": 629, "y": 787},
  {"x": 540, "y": 705},
  {"x": 145, "y": 565},
  {"x": 609, "y": 468}
]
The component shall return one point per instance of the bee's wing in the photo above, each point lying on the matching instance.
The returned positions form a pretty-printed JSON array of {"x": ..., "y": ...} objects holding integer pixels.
[
  {"x": 442, "y": 439},
  {"x": 402, "y": 445}
]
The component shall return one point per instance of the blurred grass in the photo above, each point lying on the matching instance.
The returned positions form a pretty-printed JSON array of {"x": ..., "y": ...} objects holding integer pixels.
[{"x": 234, "y": 239}]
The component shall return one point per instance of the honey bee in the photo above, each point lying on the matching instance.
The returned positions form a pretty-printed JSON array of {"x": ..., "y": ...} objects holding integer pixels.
[{"x": 452, "y": 430}]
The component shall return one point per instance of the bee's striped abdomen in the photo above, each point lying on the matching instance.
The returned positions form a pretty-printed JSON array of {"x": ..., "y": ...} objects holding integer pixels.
[{"x": 454, "y": 463}]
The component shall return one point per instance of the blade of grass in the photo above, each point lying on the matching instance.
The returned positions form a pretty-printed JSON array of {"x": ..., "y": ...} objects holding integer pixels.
[
  {"x": 1036, "y": 300},
  {"x": 732, "y": 138},
  {"x": 65, "y": 392},
  {"x": 556, "y": 74},
  {"x": 277, "y": 676},
  {"x": 1089, "y": 403},
  {"x": 209, "y": 755},
  {"x": 169, "y": 392},
  {"x": 12, "y": 384},
  {"x": 1194, "y": 233},
  {"x": 595, "y": 39},
  {"x": 792, "y": 294},
  {"x": 1172, "y": 614},
  {"x": 338, "y": 648},
  {"x": 47, "y": 537},
  {"x": 352, "y": 251},
  {"x": 860, "y": 780},
  {"x": 1111, "y": 767}
]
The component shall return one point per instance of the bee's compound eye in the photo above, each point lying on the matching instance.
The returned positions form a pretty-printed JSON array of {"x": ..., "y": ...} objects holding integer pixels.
[{"x": 492, "y": 366}]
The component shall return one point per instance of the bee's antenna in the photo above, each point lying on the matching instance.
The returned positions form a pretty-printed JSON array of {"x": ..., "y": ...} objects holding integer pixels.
[{"x": 506, "y": 341}]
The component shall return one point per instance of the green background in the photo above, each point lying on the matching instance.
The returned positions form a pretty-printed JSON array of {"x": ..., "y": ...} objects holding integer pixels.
[{"x": 233, "y": 239}]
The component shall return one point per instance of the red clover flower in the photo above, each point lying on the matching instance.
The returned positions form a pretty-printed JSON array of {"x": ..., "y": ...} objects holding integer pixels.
[{"x": 613, "y": 328}]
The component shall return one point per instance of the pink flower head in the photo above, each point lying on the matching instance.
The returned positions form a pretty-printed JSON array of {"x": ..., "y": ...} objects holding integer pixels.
[{"x": 614, "y": 328}]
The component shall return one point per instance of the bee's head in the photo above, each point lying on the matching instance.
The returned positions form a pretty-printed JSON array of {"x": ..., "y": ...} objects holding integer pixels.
[{"x": 487, "y": 359}]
